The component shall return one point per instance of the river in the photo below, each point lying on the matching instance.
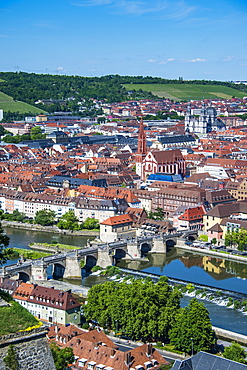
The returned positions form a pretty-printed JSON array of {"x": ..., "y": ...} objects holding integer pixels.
[{"x": 177, "y": 263}]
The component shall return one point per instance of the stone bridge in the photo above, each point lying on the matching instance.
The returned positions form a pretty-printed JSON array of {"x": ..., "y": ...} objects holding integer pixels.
[{"x": 69, "y": 264}]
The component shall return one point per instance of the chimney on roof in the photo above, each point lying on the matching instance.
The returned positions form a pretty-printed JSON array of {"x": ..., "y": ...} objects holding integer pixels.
[
  {"x": 56, "y": 329},
  {"x": 113, "y": 352},
  {"x": 127, "y": 358},
  {"x": 149, "y": 349}
]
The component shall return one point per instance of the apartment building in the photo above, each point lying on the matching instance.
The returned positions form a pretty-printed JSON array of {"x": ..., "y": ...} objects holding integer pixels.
[{"x": 49, "y": 304}]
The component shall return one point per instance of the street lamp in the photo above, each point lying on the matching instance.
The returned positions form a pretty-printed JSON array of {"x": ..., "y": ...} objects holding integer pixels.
[
  {"x": 192, "y": 346},
  {"x": 116, "y": 321}
]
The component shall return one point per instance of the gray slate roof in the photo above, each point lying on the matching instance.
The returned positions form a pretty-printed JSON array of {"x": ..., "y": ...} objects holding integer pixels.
[
  {"x": 207, "y": 361},
  {"x": 166, "y": 139}
]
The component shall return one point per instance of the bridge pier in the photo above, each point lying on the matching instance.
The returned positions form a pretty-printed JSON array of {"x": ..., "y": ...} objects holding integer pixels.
[
  {"x": 159, "y": 245},
  {"x": 72, "y": 268},
  {"x": 38, "y": 271},
  {"x": 104, "y": 257},
  {"x": 134, "y": 250}
]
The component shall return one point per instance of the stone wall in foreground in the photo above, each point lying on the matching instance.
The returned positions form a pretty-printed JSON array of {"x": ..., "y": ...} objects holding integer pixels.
[{"x": 31, "y": 349}]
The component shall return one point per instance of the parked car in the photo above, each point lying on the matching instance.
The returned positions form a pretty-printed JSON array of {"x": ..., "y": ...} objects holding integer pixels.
[{"x": 188, "y": 243}]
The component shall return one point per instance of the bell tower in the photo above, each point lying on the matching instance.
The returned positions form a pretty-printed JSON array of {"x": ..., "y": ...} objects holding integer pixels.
[{"x": 142, "y": 149}]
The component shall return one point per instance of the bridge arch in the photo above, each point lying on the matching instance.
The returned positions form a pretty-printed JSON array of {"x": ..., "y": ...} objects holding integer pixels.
[
  {"x": 90, "y": 262},
  {"x": 57, "y": 270},
  {"x": 119, "y": 253},
  {"x": 170, "y": 243},
  {"x": 145, "y": 248},
  {"x": 24, "y": 276}
]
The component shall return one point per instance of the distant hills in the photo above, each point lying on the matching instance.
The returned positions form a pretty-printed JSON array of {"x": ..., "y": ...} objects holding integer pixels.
[
  {"x": 19, "y": 91},
  {"x": 188, "y": 91},
  {"x": 8, "y": 104}
]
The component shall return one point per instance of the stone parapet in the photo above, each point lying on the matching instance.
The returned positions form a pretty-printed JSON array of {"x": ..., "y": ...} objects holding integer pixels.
[{"x": 31, "y": 349}]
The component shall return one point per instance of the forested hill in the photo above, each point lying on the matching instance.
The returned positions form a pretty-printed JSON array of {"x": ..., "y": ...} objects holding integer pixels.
[{"x": 30, "y": 87}]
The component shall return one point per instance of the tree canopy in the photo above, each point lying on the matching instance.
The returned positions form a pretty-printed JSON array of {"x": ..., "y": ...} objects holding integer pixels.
[
  {"x": 69, "y": 221},
  {"x": 5, "y": 252},
  {"x": 141, "y": 310},
  {"x": 237, "y": 238},
  {"x": 90, "y": 223},
  {"x": 45, "y": 217},
  {"x": 61, "y": 356},
  {"x": 36, "y": 133},
  {"x": 192, "y": 331},
  {"x": 235, "y": 353}
]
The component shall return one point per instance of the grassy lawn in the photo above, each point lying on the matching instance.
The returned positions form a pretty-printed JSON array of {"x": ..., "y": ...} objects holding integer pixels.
[
  {"x": 26, "y": 253},
  {"x": 14, "y": 318},
  {"x": 54, "y": 245},
  {"x": 188, "y": 91},
  {"x": 9, "y": 104}
]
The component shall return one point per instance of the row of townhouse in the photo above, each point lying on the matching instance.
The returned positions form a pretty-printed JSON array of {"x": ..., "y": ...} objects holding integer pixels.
[{"x": 31, "y": 203}]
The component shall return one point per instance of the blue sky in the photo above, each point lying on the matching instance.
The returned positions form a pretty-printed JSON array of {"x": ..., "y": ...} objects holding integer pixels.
[{"x": 164, "y": 38}]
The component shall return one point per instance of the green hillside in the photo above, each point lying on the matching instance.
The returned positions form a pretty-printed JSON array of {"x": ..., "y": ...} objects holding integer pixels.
[
  {"x": 9, "y": 104},
  {"x": 188, "y": 91}
]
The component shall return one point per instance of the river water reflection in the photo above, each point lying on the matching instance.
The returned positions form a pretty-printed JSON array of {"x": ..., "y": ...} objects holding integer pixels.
[
  {"x": 177, "y": 264},
  {"x": 196, "y": 268}
]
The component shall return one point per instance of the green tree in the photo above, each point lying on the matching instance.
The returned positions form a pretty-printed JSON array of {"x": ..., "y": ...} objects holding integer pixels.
[
  {"x": 214, "y": 241},
  {"x": 45, "y": 217},
  {"x": 235, "y": 353},
  {"x": 2, "y": 130},
  {"x": 203, "y": 238},
  {"x": 90, "y": 223},
  {"x": 69, "y": 221},
  {"x": 158, "y": 214},
  {"x": 62, "y": 356},
  {"x": 193, "y": 331},
  {"x": 14, "y": 216},
  {"x": 237, "y": 238},
  {"x": 142, "y": 310},
  {"x": 5, "y": 252},
  {"x": 36, "y": 133}
]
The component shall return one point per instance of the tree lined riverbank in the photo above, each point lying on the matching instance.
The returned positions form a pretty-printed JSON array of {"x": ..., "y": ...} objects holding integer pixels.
[{"x": 48, "y": 229}]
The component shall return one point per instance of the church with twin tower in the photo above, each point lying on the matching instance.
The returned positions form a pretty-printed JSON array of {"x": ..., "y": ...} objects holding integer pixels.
[{"x": 205, "y": 123}]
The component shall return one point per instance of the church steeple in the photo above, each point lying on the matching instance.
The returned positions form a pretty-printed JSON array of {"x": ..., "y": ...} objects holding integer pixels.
[{"x": 142, "y": 142}]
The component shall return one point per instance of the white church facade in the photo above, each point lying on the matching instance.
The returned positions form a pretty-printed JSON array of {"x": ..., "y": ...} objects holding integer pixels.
[{"x": 206, "y": 122}]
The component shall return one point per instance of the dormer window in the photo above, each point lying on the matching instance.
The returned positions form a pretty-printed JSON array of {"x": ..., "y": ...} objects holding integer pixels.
[
  {"x": 81, "y": 362},
  {"x": 91, "y": 365}
]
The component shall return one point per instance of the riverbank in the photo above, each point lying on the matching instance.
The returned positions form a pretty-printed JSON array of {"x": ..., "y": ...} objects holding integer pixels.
[
  {"x": 222, "y": 255},
  {"x": 53, "y": 247},
  {"x": 48, "y": 229}
]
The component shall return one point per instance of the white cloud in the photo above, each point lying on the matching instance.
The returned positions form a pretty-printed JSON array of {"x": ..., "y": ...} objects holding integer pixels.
[
  {"x": 60, "y": 69},
  {"x": 164, "y": 8},
  {"x": 228, "y": 59},
  {"x": 195, "y": 60},
  {"x": 152, "y": 61},
  {"x": 170, "y": 59}
]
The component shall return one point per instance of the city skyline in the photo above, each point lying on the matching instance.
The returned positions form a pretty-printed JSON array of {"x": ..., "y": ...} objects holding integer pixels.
[{"x": 168, "y": 39}]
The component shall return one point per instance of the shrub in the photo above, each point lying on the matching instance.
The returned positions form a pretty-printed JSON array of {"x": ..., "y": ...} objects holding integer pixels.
[
  {"x": 85, "y": 325},
  {"x": 96, "y": 268}
]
